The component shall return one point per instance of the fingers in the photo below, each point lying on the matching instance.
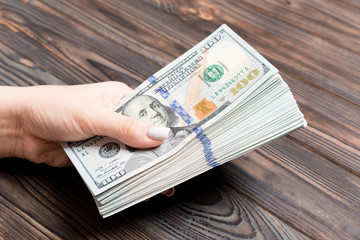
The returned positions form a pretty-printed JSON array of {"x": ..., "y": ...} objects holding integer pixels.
[
  {"x": 111, "y": 92},
  {"x": 59, "y": 159},
  {"x": 53, "y": 155},
  {"x": 167, "y": 193},
  {"x": 101, "y": 121},
  {"x": 139, "y": 134},
  {"x": 104, "y": 90}
]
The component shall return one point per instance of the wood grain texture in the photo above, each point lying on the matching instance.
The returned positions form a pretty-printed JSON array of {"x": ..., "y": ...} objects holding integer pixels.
[
  {"x": 321, "y": 198},
  {"x": 213, "y": 211},
  {"x": 304, "y": 185},
  {"x": 59, "y": 206}
]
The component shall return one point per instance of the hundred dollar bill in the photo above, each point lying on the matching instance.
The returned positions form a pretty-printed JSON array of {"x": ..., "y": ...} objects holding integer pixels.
[{"x": 188, "y": 95}]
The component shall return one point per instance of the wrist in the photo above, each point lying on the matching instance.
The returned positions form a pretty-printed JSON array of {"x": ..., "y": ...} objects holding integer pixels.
[{"x": 10, "y": 129}]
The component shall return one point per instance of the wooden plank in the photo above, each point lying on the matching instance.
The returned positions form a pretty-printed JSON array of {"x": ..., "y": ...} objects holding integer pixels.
[
  {"x": 205, "y": 208},
  {"x": 121, "y": 21},
  {"x": 43, "y": 202},
  {"x": 15, "y": 224},
  {"x": 330, "y": 20},
  {"x": 68, "y": 51},
  {"x": 319, "y": 197},
  {"x": 329, "y": 148},
  {"x": 16, "y": 70},
  {"x": 333, "y": 129},
  {"x": 55, "y": 203}
]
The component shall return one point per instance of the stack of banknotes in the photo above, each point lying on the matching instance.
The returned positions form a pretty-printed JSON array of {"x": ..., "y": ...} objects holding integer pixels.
[{"x": 221, "y": 99}]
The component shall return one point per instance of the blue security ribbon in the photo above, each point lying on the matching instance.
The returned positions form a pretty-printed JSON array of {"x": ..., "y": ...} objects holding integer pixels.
[
  {"x": 182, "y": 112},
  {"x": 206, "y": 142},
  {"x": 203, "y": 138}
]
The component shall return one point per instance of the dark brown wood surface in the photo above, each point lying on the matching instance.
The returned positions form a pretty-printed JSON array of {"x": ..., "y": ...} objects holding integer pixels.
[{"x": 303, "y": 185}]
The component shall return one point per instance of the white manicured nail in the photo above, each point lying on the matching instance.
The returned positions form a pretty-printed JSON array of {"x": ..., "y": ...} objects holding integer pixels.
[{"x": 159, "y": 133}]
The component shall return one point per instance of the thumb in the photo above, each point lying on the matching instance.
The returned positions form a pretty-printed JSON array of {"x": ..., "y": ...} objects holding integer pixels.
[{"x": 127, "y": 130}]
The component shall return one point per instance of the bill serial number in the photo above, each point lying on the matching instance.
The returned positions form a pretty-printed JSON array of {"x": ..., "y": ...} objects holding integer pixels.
[{"x": 230, "y": 83}]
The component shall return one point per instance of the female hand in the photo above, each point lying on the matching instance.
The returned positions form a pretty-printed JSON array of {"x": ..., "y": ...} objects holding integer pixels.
[{"x": 35, "y": 119}]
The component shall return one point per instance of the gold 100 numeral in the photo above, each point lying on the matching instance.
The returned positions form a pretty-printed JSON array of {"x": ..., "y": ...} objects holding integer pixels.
[{"x": 243, "y": 82}]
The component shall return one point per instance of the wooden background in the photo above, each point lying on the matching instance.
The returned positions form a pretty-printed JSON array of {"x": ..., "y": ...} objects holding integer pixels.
[{"x": 303, "y": 185}]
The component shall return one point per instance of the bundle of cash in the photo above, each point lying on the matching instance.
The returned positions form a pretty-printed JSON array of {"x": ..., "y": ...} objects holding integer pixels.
[{"x": 221, "y": 99}]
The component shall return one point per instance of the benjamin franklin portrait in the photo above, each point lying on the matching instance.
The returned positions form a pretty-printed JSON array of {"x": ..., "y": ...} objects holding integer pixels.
[{"x": 148, "y": 109}]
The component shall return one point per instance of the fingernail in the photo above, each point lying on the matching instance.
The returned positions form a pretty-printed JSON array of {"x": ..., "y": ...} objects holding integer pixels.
[{"x": 159, "y": 133}]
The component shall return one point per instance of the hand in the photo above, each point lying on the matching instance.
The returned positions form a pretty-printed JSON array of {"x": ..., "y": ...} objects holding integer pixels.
[{"x": 35, "y": 119}]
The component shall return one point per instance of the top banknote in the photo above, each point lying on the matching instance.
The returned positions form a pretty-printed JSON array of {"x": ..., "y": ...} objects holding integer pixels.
[{"x": 188, "y": 95}]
